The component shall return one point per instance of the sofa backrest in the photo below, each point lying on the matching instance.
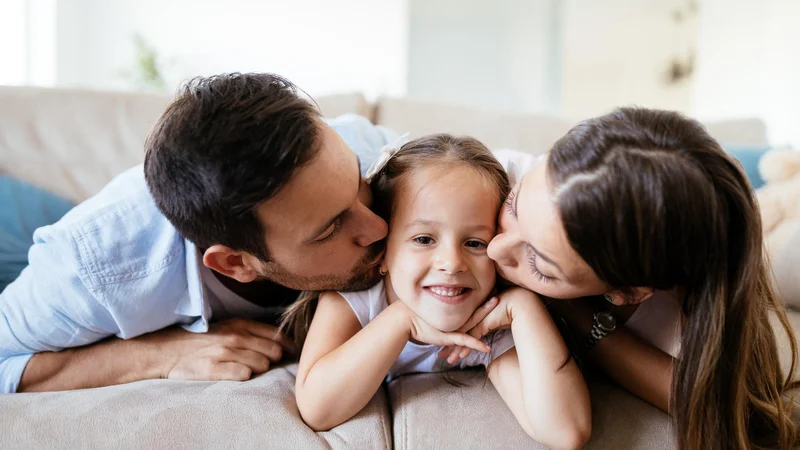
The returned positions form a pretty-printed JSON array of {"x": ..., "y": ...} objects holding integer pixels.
[
  {"x": 73, "y": 142},
  {"x": 533, "y": 133}
]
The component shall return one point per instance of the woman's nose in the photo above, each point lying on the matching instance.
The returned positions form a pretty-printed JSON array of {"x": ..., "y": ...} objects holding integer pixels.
[{"x": 501, "y": 248}]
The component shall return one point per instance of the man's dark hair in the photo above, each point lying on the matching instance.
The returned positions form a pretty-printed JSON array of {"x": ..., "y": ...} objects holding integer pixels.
[{"x": 226, "y": 144}]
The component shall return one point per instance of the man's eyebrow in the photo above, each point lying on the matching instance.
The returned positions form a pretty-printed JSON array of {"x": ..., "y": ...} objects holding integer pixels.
[{"x": 338, "y": 216}]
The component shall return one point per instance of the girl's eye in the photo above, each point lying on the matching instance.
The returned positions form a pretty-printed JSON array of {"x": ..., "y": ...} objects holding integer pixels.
[
  {"x": 535, "y": 270},
  {"x": 423, "y": 240},
  {"x": 474, "y": 243},
  {"x": 510, "y": 204}
]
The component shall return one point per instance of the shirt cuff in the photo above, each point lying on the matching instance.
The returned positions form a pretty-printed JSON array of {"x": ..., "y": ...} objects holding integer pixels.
[{"x": 11, "y": 369}]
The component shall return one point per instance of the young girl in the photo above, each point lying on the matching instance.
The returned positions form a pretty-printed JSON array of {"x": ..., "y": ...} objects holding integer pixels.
[{"x": 441, "y": 196}]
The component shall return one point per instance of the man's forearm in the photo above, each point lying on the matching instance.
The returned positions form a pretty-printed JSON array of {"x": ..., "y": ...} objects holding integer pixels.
[{"x": 109, "y": 362}]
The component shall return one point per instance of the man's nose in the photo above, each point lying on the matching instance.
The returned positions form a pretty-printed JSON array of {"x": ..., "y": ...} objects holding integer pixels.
[{"x": 373, "y": 228}]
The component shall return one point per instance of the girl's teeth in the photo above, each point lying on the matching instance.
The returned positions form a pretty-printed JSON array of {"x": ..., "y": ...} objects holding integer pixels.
[{"x": 447, "y": 292}]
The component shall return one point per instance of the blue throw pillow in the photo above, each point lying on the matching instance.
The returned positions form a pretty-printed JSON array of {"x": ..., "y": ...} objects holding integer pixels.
[
  {"x": 24, "y": 209},
  {"x": 749, "y": 157}
]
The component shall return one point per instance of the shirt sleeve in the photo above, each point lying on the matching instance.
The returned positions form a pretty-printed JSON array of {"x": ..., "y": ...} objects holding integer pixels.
[
  {"x": 500, "y": 342},
  {"x": 362, "y": 136},
  {"x": 48, "y": 307},
  {"x": 517, "y": 163}
]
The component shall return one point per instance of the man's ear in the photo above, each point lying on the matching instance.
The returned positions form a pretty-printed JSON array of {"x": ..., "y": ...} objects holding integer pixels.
[
  {"x": 231, "y": 263},
  {"x": 633, "y": 296}
]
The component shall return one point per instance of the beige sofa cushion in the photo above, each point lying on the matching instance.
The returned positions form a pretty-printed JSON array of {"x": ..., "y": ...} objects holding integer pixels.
[
  {"x": 428, "y": 413},
  {"x": 739, "y": 132},
  {"x": 257, "y": 414},
  {"x": 336, "y": 105},
  {"x": 783, "y": 247},
  {"x": 533, "y": 134},
  {"x": 73, "y": 142},
  {"x": 431, "y": 413}
]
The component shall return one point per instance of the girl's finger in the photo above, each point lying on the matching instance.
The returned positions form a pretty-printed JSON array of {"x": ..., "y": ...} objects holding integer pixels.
[
  {"x": 464, "y": 353},
  {"x": 445, "y": 352},
  {"x": 480, "y": 314},
  {"x": 469, "y": 341},
  {"x": 483, "y": 328},
  {"x": 453, "y": 358}
]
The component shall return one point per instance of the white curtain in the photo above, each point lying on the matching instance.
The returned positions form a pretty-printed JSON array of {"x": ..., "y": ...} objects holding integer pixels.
[{"x": 12, "y": 42}]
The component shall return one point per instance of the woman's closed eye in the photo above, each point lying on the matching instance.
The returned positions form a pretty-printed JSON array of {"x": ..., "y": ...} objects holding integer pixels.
[{"x": 535, "y": 270}]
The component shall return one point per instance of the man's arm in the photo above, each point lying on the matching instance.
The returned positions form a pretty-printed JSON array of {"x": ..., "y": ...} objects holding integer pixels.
[
  {"x": 363, "y": 137},
  {"x": 231, "y": 350},
  {"x": 48, "y": 308},
  {"x": 110, "y": 362},
  {"x": 50, "y": 322}
]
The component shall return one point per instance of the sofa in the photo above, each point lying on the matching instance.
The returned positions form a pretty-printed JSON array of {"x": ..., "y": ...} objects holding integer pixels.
[{"x": 73, "y": 142}]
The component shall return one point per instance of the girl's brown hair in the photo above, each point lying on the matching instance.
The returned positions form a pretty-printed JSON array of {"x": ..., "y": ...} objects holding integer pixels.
[
  {"x": 433, "y": 152},
  {"x": 649, "y": 198}
]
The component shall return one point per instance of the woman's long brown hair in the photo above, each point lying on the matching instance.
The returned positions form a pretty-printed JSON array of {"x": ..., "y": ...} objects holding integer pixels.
[{"x": 648, "y": 198}]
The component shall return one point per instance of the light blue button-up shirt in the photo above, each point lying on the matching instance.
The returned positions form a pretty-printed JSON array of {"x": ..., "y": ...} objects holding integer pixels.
[{"x": 114, "y": 266}]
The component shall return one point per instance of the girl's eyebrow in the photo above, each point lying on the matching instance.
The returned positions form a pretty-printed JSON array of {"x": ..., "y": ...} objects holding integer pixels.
[
  {"x": 422, "y": 222},
  {"x": 433, "y": 223}
]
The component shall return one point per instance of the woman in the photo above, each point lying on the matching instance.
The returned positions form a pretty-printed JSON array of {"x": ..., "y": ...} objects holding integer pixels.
[{"x": 644, "y": 208}]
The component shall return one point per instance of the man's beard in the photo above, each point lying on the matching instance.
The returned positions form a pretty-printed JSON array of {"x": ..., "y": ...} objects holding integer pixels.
[{"x": 362, "y": 277}]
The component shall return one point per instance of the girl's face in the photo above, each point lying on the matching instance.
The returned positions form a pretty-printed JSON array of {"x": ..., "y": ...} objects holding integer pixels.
[
  {"x": 531, "y": 248},
  {"x": 442, "y": 222}
]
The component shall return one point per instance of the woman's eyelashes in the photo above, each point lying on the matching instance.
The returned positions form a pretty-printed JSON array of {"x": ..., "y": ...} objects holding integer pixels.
[
  {"x": 535, "y": 270},
  {"x": 510, "y": 206}
]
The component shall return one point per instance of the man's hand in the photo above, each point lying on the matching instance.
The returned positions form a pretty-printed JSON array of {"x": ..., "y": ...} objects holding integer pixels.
[
  {"x": 231, "y": 350},
  {"x": 235, "y": 349}
]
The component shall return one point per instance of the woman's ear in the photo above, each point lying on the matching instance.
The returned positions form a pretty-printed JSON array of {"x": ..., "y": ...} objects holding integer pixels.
[
  {"x": 231, "y": 263},
  {"x": 633, "y": 296}
]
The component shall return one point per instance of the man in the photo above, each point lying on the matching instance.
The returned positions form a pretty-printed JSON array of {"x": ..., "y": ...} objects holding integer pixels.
[{"x": 246, "y": 196}]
